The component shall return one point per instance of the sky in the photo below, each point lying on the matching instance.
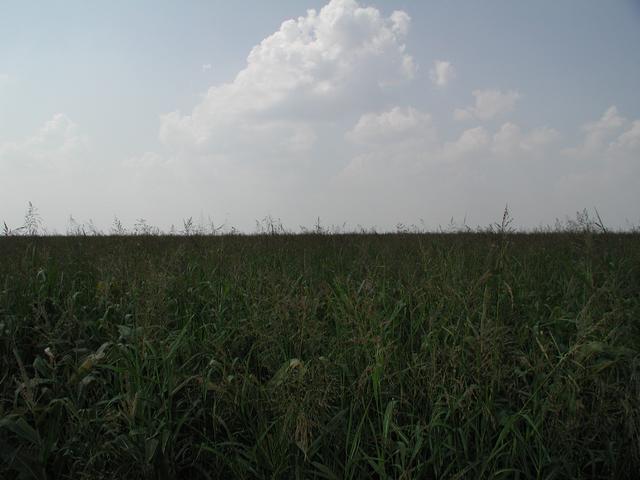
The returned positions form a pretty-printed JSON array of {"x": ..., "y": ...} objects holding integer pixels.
[{"x": 360, "y": 113}]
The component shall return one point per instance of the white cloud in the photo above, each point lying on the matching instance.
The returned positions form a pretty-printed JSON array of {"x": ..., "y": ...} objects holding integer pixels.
[
  {"x": 511, "y": 141},
  {"x": 442, "y": 73},
  {"x": 461, "y": 114},
  {"x": 470, "y": 141},
  {"x": 629, "y": 140},
  {"x": 394, "y": 124},
  {"x": 610, "y": 119},
  {"x": 407, "y": 136},
  {"x": 610, "y": 140},
  {"x": 480, "y": 169},
  {"x": 54, "y": 168},
  {"x": 55, "y": 145},
  {"x": 314, "y": 69},
  {"x": 392, "y": 141},
  {"x": 317, "y": 124},
  {"x": 145, "y": 161},
  {"x": 598, "y": 134},
  {"x": 488, "y": 104},
  {"x": 603, "y": 170}
]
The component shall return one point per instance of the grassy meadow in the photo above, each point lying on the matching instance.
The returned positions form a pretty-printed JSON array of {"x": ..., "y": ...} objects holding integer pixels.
[{"x": 435, "y": 356}]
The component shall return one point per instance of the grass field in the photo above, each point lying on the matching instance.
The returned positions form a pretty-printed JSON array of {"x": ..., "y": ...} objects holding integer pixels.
[{"x": 320, "y": 356}]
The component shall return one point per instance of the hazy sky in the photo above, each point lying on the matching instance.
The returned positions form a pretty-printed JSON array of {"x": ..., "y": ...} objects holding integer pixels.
[{"x": 368, "y": 112}]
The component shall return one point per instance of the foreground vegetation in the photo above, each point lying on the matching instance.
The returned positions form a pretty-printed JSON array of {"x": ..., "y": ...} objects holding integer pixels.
[{"x": 320, "y": 356}]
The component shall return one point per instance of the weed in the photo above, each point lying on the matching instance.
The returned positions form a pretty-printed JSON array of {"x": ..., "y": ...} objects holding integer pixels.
[{"x": 466, "y": 355}]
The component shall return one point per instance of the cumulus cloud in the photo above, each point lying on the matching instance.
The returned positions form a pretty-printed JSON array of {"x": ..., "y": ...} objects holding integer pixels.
[
  {"x": 395, "y": 124},
  {"x": 488, "y": 104},
  {"x": 510, "y": 140},
  {"x": 394, "y": 140},
  {"x": 317, "y": 124},
  {"x": 54, "y": 167},
  {"x": 629, "y": 140},
  {"x": 410, "y": 134},
  {"x": 55, "y": 145},
  {"x": 610, "y": 141},
  {"x": 403, "y": 143},
  {"x": 480, "y": 168},
  {"x": 442, "y": 73},
  {"x": 471, "y": 141},
  {"x": 604, "y": 168},
  {"x": 599, "y": 131},
  {"x": 314, "y": 69},
  {"x": 598, "y": 134},
  {"x": 147, "y": 160}
]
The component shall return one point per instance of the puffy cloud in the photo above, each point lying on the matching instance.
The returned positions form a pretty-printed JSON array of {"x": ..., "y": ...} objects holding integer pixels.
[
  {"x": 598, "y": 132},
  {"x": 480, "y": 169},
  {"x": 598, "y": 135},
  {"x": 145, "y": 161},
  {"x": 393, "y": 141},
  {"x": 461, "y": 114},
  {"x": 311, "y": 117},
  {"x": 610, "y": 120},
  {"x": 442, "y": 73},
  {"x": 54, "y": 168},
  {"x": 629, "y": 140},
  {"x": 470, "y": 141},
  {"x": 55, "y": 145},
  {"x": 603, "y": 170},
  {"x": 488, "y": 104},
  {"x": 510, "y": 140},
  {"x": 392, "y": 125},
  {"x": 408, "y": 136},
  {"x": 314, "y": 69}
]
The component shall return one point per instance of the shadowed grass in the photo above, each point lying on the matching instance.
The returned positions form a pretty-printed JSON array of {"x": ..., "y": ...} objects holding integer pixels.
[{"x": 320, "y": 356}]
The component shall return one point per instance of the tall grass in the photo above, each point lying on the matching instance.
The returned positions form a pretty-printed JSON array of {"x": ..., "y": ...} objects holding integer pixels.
[{"x": 493, "y": 355}]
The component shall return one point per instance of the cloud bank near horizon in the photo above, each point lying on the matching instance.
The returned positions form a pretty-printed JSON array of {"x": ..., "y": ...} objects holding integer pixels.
[{"x": 316, "y": 124}]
